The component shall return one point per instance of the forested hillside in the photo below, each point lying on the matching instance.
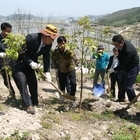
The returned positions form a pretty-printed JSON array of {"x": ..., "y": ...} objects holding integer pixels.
[{"x": 122, "y": 17}]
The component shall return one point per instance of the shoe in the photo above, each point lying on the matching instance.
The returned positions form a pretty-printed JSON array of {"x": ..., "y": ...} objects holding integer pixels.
[
  {"x": 30, "y": 110},
  {"x": 38, "y": 105},
  {"x": 120, "y": 100},
  {"x": 138, "y": 114}
]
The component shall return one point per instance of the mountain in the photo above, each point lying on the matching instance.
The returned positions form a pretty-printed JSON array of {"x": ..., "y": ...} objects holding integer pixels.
[
  {"x": 122, "y": 17},
  {"x": 1, "y": 16},
  {"x": 18, "y": 16}
]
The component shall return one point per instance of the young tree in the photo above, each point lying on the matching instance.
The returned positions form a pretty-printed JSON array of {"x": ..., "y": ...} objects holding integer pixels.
[{"x": 81, "y": 40}]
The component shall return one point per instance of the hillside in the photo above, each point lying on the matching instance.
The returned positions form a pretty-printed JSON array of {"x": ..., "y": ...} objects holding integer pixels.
[{"x": 122, "y": 17}]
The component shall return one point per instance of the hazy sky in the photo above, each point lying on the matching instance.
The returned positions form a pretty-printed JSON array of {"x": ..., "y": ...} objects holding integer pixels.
[{"x": 66, "y": 7}]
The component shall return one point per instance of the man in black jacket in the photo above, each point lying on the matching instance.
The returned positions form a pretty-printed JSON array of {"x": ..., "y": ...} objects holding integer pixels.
[
  {"x": 24, "y": 73},
  {"x": 5, "y": 28},
  {"x": 128, "y": 65}
]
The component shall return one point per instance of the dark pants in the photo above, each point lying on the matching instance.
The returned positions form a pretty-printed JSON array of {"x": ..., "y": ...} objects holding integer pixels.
[
  {"x": 128, "y": 79},
  {"x": 23, "y": 78},
  {"x": 96, "y": 77},
  {"x": 114, "y": 78},
  {"x": 5, "y": 80},
  {"x": 68, "y": 86},
  {"x": 72, "y": 78}
]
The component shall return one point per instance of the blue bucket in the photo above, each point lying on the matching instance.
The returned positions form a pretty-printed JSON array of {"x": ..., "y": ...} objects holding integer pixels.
[{"x": 98, "y": 90}]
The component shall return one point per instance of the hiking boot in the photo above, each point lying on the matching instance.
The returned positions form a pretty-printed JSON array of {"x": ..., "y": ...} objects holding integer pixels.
[{"x": 30, "y": 110}]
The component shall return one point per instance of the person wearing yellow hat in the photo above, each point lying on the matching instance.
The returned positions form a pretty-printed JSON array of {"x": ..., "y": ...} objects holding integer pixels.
[{"x": 24, "y": 72}]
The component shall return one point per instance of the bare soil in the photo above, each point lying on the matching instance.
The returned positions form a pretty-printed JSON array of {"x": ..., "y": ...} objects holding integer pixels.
[{"x": 57, "y": 120}]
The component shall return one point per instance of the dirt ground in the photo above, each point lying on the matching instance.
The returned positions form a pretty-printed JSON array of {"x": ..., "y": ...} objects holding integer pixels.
[{"x": 57, "y": 120}]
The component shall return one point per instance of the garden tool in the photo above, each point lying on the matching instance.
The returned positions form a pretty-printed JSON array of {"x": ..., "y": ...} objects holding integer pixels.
[
  {"x": 67, "y": 96},
  {"x": 128, "y": 106},
  {"x": 99, "y": 89},
  {"x": 108, "y": 90}
]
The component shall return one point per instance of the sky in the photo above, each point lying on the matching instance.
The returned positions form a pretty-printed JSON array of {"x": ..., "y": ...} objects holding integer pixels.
[{"x": 65, "y": 7}]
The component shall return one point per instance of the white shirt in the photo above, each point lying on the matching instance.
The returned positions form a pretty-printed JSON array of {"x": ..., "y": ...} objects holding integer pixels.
[
  {"x": 115, "y": 62},
  {"x": 41, "y": 46}
]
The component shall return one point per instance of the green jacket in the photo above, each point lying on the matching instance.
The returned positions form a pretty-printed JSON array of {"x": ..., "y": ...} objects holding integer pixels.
[{"x": 64, "y": 62}]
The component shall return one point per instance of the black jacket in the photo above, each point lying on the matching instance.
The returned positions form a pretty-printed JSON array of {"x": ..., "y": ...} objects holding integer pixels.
[
  {"x": 2, "y": 49},
  {"x": 30, "y": 54},
  {"x": 128, "y": 57}
]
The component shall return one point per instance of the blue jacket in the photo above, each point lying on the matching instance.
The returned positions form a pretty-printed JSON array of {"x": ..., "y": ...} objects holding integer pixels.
[{"x": 101, "y": 61}]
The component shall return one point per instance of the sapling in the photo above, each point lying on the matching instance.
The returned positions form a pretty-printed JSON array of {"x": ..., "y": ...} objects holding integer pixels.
[{"x": 15, "y": 44}]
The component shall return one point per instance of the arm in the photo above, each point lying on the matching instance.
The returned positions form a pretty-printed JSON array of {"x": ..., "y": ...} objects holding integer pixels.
[
  {"x": 74, "y": 58},
  {"x": 110, "y": 62},
  {"x": 28, "y": 50},
  {"x": 107, "y": 60},
  {"x": 46, "y": 58}
]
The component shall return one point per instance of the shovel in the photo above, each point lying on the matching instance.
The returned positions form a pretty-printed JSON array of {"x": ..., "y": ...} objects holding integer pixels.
[
  {"x": 128, "y": 106},
  {"x": 98, "y": 89},
  {"x": 67, "y": 96}
]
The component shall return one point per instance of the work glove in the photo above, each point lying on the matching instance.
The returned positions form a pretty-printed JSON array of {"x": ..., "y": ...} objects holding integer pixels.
[
  {"x": 48, "y": 77},
  {"x": 34, "y": 65},
  {"x": 111, "y": 71},
  {"x": 2, "y": 55},
  {"x": 79, "y": 65}
]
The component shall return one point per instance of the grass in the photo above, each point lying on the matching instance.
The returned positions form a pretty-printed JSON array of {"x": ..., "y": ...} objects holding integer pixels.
[
  {"x": 17, "y": 136},
  {"x": 1, "y": 107},
  {"x": 138, "y": 78},
  {"x": 137, "y": 105},
  {"x": 127, "y": 132},
  {"x": 49, "y": 119}
]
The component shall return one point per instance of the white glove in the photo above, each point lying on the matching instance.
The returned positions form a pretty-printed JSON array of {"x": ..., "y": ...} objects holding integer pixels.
[
  {"x": 48, "y": 77},
  {"x": 34, "y": 65},
  {"x": 111, "y": 70},
  {"x": 79, "y": 65},
  {"x": 2, "y": 55}
]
